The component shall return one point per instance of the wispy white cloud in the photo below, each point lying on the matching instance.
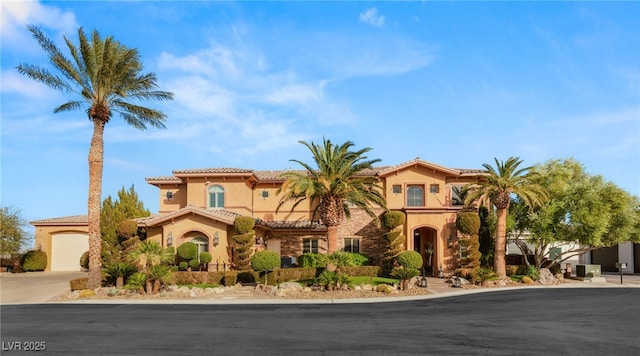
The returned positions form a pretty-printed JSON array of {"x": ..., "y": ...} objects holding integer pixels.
[
  {"x": 17, "y": 14},
  {"x": 13, "y": 82},
  {"x": 371, "y": 17}
]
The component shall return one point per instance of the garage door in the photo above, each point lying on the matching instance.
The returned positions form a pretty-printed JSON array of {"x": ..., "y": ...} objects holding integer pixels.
[{"x": 66, "y": 250}]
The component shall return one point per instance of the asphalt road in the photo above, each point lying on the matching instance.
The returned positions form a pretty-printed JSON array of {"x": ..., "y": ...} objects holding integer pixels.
[{"x": 572, "y": 321}]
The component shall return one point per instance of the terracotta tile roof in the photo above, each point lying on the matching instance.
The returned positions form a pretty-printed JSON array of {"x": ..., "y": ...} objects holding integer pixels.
[
  {"x": 212, "y": 171},
  {"x": 225, "y": 216},
  {"x": 163, "y": 180},
  {"x": 65, "y": 220},
  {"x": 458, "y": 171},
  {"x": 293, "y": 225}
]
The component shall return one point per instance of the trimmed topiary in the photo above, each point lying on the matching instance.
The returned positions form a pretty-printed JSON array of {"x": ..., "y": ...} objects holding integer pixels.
[
  {"x": 84, "y": 260},
  {"x": 265, "y": 260},
  {"x": 183, "y": 265},
  {"x": 205, "y": 257},
  {"x": 34, "y": 261},
  {"x": 393, "y": 219},
  {"x": 194, "y": 264},
  {"x": 188, "y": 251},
  {"x": 410, "y": 259},
  {"x": 468, "y": 222},
  {"x": 244, "y": 224}
]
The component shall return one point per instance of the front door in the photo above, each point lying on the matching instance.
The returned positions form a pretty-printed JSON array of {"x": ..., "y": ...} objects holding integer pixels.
[{"x": 424, "y": 242}]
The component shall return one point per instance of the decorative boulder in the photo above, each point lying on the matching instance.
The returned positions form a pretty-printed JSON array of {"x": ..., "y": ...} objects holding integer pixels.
[{"x": 546, "y": 277}]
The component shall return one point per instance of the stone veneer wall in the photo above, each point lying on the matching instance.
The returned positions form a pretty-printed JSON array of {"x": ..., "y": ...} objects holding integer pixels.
[{"x": 362, "y": 226}]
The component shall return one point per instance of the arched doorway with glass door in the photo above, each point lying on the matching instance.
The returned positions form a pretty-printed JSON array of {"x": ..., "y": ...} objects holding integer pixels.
[{"x": 425, "y": 243}]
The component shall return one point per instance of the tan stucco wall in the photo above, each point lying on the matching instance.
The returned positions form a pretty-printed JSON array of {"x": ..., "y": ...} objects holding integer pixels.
[{"x": 43, "y": 238}]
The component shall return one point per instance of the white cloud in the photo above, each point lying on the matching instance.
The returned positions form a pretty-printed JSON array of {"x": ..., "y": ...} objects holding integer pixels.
[
  {"x": 16, "y": 15},
  {"x": 13, "y": 82},
  {"x": 371, "y": 17}
]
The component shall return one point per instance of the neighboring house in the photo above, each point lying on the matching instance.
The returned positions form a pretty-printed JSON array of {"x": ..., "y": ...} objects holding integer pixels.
[
  {"x": 200, "y": 205},
  {"x": 64, "y": 240},
  {"x": 607, "y": 257}
]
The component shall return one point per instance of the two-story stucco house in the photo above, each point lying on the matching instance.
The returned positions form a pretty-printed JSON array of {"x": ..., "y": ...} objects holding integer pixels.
[{"x": 200, "y": 205}]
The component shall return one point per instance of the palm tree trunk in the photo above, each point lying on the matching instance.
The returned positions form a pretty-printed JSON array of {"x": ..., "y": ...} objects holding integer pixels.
[
  {"x": 332, "y": 239},
  {"x": 96, "y": 153},
  {"x": 499, "y": 263}
]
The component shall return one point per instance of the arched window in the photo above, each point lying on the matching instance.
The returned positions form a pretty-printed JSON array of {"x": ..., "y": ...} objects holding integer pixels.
[
  {"x": 202, "y": 243},
  {"x": 216, "y": 197},
  {"x": 415, "y": 195}
]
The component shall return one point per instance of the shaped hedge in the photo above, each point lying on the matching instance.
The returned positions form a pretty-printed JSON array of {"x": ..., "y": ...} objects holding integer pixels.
[{"x": 34, "y": 261}]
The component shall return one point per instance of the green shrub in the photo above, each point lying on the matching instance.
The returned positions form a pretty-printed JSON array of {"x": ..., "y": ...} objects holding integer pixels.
[
  {"x": 120, "y": 269},
  {"x": 359, "y": 259},
  {"x": 466, "y": 273},
  {"x": 313, "y": 260},
  {"x": 34, "y": 261},
  {"x": 137, "y": 282},
  {"x": 188, "y": 251},
  {"x": 404, "y": 273},
  {"x": 169, "y": 251},
  {"x": 205, "y": 257},
  {"x": 533, "y": 273},
  {"x": 183, "y": 265},
  {"x": 84, "y": 260},
  {"x": 340, "y": 258},
  {"x": 393, "y": 219},
  {"x": 468, "y": 222},
  {"x": 78, "y": 283},
  {"x": 410, "y": 259},
  {"x": 526, "y": 280},
  {"x": 194, "y": 264},
  {"x": 484, "y": 274},
  {"x": 175, "y": 268},
  {"x": 369, "y": 271},
  {"x": 512, "y": 270},
  {"x": 230, "y": 278},
  {"x": 265, "y": 260},
  {"x": 331, "y": 280},
  {"x": 244, "y": 224}
]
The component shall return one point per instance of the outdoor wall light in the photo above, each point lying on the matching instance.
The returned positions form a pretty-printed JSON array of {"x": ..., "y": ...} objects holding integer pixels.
[
  {"x": 216, "y": 238},
  {"x": 170, "y": 239},
  {"x": 169, "y": 195},
  {"x": 265, "y": 194}
]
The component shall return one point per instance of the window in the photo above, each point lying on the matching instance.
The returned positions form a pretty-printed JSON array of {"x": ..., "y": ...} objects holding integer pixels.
[
  {"x": 457, "y": 197},
  {"x": 434, "y": 188},
  {"x": 397, "y": 189},
  {"x": 310, "y": 245},
  {"x": 352, "y": 245},
  {"x": 216, "y": 197},
  {"x": 415, "y": 195},
  {"x": 202, "y": 243}
]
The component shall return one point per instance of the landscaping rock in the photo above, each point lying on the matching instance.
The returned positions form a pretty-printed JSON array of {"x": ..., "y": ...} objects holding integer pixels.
[
  {"x": 527, "y": 280},
  {"x": 218, "y": 290},
  {"x": 546, "y": 277},
  {"x": 290, "y": 286}
]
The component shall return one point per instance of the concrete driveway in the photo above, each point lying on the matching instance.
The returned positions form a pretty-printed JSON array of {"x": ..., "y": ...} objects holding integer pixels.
[{"x": 34, "y": 287}]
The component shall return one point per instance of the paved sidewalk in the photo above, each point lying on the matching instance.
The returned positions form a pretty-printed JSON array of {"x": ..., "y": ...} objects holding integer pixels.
[{"x": 44, "y": 287}]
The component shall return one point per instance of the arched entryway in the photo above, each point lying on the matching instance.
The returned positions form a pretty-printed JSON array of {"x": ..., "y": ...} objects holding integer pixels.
[{"x": 425, "y": 242}]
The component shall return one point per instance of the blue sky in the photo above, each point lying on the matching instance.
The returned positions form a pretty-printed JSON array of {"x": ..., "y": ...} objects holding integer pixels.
[{"x": 454, "y": 83}]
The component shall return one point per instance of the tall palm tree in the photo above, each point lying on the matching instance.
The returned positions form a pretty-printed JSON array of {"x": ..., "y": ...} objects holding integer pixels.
[
  {"x": 103, "y": 76},
  {"x": 496, "y": 188},
  {"x": 338, "y": 180}
]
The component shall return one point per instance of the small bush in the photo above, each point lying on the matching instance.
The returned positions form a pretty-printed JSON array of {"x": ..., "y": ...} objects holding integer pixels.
[
  {"x": 78, "y": 283},
  {"x": 183, "y": 265},
  {"x": 188, "y": 251},
  {"x": 137, "y": 282},
  {"x": 34, "y": 261},
  {"x": 205, "y": 257},
  {"x": 369, "y": 271},
  {"x": 483, "y": 274},
  {"x": 526, "y": 280},
  {"x": 393, "y": 219},
  {"x": 512, "y": 270},
  {"x": 230, "y": 278},
  {"x": 265, "y": 260},
  {"x": 410, "y": 259},
  {"x": 194, "y": 264},
  {"x": 331, "y": 280},
  {"x": 244, "y": 224},
  {"x": 84, "y": 260},
  {"x": 533, "y": 273},
  {"x": 466, "y": 273},
  {"x": 120, "y": 269},
  {"x": 468, "y": 222},
  {"x": 403, "y": 273},
  {"x": 315, "y": 260}
]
